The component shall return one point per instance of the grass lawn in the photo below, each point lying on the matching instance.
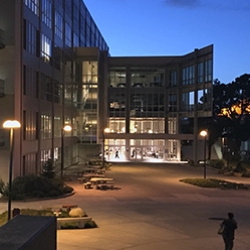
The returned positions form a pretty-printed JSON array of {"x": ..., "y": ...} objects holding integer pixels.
[{"x": 214, "y": 183}]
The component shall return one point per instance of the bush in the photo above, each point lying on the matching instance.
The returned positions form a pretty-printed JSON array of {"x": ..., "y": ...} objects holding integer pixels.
[
  {"x": 190, "y": 162},
  {"x": 67, "y": 189},
  {"x": 33, "y": 186},
  {"x": 214, "y": 183},
  {"x": 48, "y": 169},
  {"x": 4, "y": 188},
  {"x": 2, "y": 185},
  {"x": 240, "y": 168},
  {"x": 90, "y": 224},
  {"x": 219, "y": 164},
  {"x": 69, "y": 225},
  {"x": 34, "y": 212}
]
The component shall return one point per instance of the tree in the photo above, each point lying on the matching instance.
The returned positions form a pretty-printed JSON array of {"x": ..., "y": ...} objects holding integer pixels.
[
  {"x": 48, "y": 169},
  {"x": 231, "y": 107}
]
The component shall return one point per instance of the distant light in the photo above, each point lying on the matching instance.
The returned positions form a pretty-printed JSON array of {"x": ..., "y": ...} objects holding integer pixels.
[
  {"x": 11, "y": 124},
  {"x": 107, "y": 130},
  {"x": 203, "y": 133},
  {"x": 67, "y": 128}
]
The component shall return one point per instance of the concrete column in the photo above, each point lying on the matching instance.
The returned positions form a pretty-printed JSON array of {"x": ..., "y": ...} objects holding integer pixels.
[{"x": 195, "y": 141}]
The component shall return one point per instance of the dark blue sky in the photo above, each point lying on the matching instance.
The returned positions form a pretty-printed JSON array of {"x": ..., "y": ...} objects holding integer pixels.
[{"x": 176, "y": 27}]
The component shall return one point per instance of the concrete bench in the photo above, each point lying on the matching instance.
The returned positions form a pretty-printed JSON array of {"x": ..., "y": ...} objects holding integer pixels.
[
  {"x": 87, "y": 185},
  {"x": 106, "y": 185},
  {"x": 81, "y": 179},
  {"x": 80, "y": 221}
]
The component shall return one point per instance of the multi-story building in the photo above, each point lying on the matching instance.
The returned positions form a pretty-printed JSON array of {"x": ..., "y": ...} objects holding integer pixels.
[
  {"x": 150, "y": 101},
  {"x": 55, "y": 69},
  {"x": 39, "y": 78}
]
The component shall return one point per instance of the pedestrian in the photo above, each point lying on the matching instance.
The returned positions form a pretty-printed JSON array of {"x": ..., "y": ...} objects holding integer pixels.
[
  {"x": 229, "y": 225},
  {"x": 117, "y": 154}
]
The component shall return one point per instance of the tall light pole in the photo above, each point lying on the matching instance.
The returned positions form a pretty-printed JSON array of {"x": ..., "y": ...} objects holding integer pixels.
[
  {"x": 106, "y": 130},
  {"x": 203, "y": 133},
  {"x": 11, "y": 124},
  {"x": 66, "y": 128}
]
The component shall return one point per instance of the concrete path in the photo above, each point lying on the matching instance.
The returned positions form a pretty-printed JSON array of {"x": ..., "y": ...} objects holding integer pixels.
[{"x": 151, "y": 210}]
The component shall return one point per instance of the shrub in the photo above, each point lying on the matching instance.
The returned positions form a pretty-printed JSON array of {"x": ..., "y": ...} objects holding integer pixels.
[
  {"x": 240, "y": 168},
  {"x": 67, "y": 189},
  {"x": 33, "y": 186},
  {"x": 190, "y": 162},
  {"x": 211, "y": 183},
  {"x": 48, "y": 169},
  {"x": 34, "y": 212},
  {"x": 54, "y": 192},
  {"x": 2, "y": 186},
  {"x": 90, "y": 224},
  {"x": 69, "y": 225},
  {"x": 214, "y": 183},
  {"x": 219, "y": 164}
]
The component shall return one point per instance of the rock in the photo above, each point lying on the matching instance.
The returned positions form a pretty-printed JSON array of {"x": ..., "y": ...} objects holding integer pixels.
[{"x": 76, "y": 212}]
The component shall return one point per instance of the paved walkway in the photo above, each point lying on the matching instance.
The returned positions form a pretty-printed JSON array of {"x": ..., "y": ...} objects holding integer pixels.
[{"x": 151, "y": 210}]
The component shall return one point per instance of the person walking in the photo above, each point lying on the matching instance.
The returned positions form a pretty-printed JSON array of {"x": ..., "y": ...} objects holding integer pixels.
[
  {"x": 229, "y": 225},
  {"x": 117, "y": 154}
]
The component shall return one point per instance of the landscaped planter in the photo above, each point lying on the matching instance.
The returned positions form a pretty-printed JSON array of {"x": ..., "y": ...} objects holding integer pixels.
[{"x": 72, "y": 222}]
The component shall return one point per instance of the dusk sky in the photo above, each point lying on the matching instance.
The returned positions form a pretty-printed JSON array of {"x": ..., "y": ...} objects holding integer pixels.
[{"x": 177, "y": 27}]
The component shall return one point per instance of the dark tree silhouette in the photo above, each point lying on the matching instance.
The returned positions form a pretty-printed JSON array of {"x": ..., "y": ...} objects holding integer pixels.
[{"x": 231, "y": 108}]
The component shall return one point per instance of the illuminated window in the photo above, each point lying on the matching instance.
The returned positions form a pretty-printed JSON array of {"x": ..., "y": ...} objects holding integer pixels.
[
  {"x": 90, "y": 72},
  {"x": 172, "y": 125},
  {"x": 46, "y": 126},
  {"x": 33, "y": 5},
  {"x": 45, "y": 48}
]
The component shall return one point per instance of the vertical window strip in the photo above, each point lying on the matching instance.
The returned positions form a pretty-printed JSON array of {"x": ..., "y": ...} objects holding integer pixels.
[
  {"x": 33, "y": 5},
  {"x": 47, "y": 12},
  {"x": 58, "y": 25},
  {"x": 46, "y": 48},
  {"x": 208, "y": 71}
]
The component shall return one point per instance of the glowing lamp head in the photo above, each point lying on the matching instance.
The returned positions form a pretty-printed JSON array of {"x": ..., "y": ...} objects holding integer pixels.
[
  {"x": 11, "y": 124},
  {"x": 107, "y": 130},
  {"x": 67, "y": 128},
  {"x": 203, "y": 133}
]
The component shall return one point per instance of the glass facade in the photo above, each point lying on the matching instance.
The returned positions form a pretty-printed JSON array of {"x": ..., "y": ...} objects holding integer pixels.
[
  {"x": 148, "y": 102},
  {"x": 67, "y": 76},
  {"x": 66, "y": 89}
]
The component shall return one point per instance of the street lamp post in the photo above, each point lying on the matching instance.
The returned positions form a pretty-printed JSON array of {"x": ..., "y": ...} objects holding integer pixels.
[
  {"x": 11, "y": 124},
  {"x": 203, "y": 133},
  {"x": 106, "y": 130},
  {"x": 66, "y": 128}
]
